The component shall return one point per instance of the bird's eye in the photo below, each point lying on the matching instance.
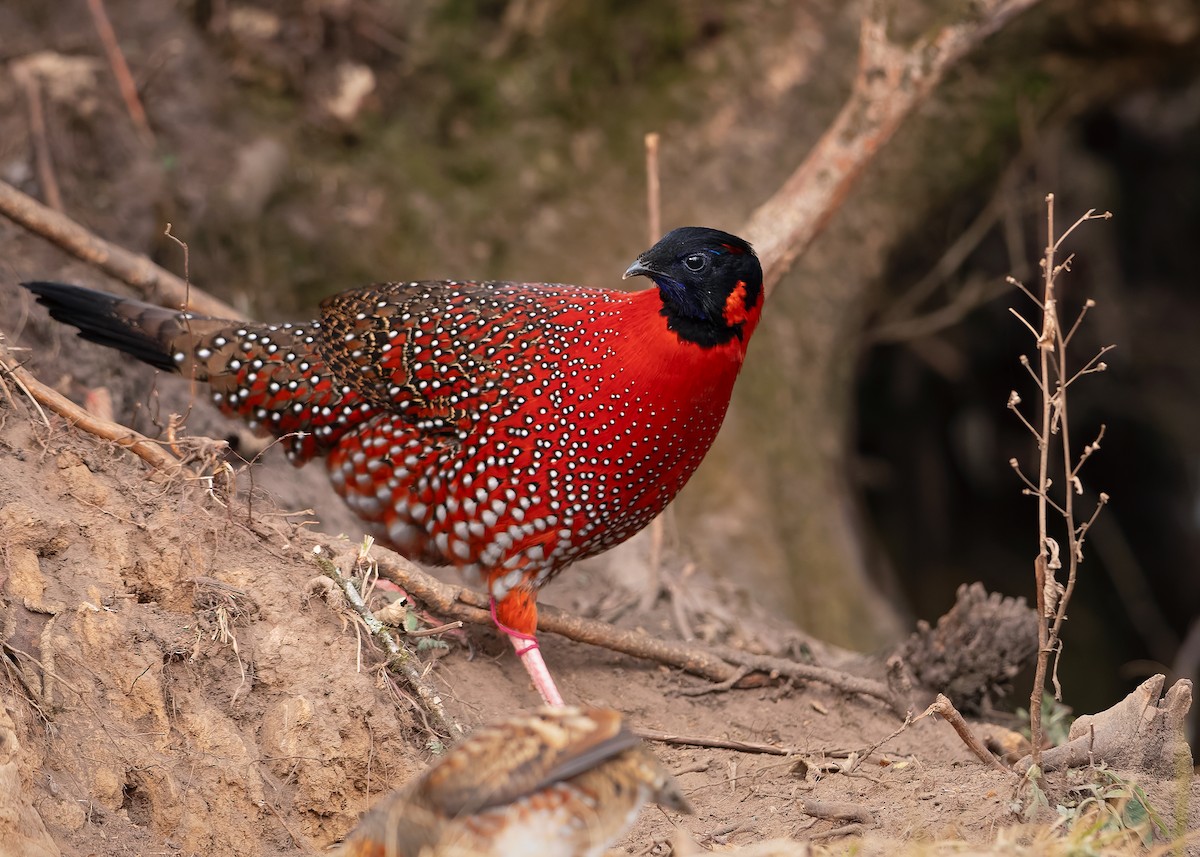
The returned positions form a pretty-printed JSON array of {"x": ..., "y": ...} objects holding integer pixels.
[{"x": 695, "y": 262}]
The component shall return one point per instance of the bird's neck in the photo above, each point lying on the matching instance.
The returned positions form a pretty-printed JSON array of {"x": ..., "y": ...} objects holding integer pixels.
[{"x": 649, "y": 322}]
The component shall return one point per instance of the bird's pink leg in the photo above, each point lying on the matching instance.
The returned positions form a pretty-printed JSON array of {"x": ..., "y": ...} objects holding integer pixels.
[
  {"x": 527, "y": 649},
  {"x": 531, "y": 657}
]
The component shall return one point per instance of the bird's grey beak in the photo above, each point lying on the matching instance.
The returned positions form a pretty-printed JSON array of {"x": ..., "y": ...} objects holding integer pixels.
[{"x": 637, "y": 269}]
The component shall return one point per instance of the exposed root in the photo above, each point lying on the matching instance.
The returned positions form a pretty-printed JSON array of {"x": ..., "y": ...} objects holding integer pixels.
[{"x": 946, "y": 709}]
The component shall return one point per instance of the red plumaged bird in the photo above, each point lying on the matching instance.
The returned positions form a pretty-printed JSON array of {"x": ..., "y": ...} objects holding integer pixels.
[{"x": 508, "y": 429}]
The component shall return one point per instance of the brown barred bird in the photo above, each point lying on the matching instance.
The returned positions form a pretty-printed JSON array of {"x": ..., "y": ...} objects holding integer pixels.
[
  {"x": 508, "y": 429},
  {"x": 562, "y": 782}
]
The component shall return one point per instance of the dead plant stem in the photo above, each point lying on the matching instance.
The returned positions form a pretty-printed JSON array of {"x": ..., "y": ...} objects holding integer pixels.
[
  {"x": 400, "y": 660},
  {"x": 1041, "y": 566},
  {"x": 1053, "y": 378}
]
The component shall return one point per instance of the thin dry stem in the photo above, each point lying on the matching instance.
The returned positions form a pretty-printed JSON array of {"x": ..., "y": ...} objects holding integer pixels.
[
  {"x": 654, "y": 226},
  {"x": 1028, "y": 326},
  {"x": 653, "y": 188},
  {"x": 1029, "y": 368},
  {"x": 1083, "y": 528},
  {"x": 1016, "y": 466},
  {"x": 1088, "y": 304},
  {"x": 1091, "y": 366},
  {"x": 1088, "y": 450},
  {"x": 1013, "y": 401},
  {"x": 400, "y": 659},
  {"x": 1053, "y": 379},
  {"x": 1090, "y": 214},
  {"x": 47, "y": 180},
  {"x": 1040, "y": 567},
  {"x": 1013, "y": 281},
  {"x": 120, "y": 69}
]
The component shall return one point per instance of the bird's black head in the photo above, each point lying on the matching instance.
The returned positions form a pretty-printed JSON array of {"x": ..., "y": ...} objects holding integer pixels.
[{"x": 710, "y": 282}]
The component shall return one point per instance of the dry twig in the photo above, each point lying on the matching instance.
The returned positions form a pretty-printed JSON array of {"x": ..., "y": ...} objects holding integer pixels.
[
  {"x": 776, "y": 667},
  {"x": 653, "y": 188},
  {"x": 28, "y": 80},
  {"x": 1053, "y": 379},
  {"x": 946, "y": 709},
  {"x": 151, "y": 281},
  {"x": 400, "y": 659},
  {"x": 654, "y": 225},
  {"x": 715, "y": 743},
  {"x": 120, "y": 68}
]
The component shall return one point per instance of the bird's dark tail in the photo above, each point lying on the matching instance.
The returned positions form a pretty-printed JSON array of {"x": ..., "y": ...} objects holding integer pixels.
[
  {"x": 270, "y": 375},
  {"x": 147, "y": 332}
]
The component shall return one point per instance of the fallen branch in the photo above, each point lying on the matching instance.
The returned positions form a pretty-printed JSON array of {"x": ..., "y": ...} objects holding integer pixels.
[
  {"x": 150, "y": 281},
  {"x": 719, "y": 665},
  {"x": 946, "y": 709},
  {"x": 715, "y": 743},
  {"x": 400, "y": 659},
  {"x": 777, "y": 667},
  {"x": 459, "y": 602},
  {"x": 140, "y": 445}
]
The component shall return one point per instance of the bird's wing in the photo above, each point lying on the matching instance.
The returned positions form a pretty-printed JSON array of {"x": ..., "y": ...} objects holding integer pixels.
[
  {"x": 503, "y": 763},
  {"x": 439, "y": 353}
]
